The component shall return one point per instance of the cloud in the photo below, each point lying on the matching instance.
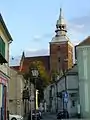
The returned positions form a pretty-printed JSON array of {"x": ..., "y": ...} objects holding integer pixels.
[
  {"x": 37, "y": 37},
  {"x": 40, "y": 52},
  {"x": 15, "y": 61},
  {"x": 79, "y": 28},
  {"x": 80, "y": 24},
  {"x": 41, "y": 37}
]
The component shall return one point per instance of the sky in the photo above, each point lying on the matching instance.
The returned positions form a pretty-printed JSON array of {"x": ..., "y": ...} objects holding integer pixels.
[{"x": 32, "y": 23}]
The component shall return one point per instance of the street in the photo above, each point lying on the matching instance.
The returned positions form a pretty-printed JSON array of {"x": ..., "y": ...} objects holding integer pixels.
[{"x": 49, "y": 117}]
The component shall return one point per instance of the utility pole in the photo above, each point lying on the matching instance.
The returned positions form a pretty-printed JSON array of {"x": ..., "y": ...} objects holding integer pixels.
[{"x": 35, "y": 74}]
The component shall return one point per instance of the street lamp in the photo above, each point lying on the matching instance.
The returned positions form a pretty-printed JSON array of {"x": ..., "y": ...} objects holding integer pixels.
[
  {"x": 25, "y": 97},
  {"x": 35, "y": 74}
]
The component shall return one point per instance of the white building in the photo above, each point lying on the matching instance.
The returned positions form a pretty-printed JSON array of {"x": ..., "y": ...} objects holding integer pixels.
[
  {"x": 83, "y": 61},
  {"x": 53, "y": 93}
]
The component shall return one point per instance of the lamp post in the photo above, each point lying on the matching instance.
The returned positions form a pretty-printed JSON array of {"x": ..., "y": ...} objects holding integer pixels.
[
  {"x": 35, "y": 75},
  {"x": 25, "y": 98}
]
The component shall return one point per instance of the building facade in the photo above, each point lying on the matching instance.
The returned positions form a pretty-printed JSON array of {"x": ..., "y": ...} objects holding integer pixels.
[
  {"x": 17, "y": 105},
  {"x": 53, "y": 94},
  {"x": 15, "y": 90},
  {"x": 5, "y": 40},
  {"x": 83, "y": 58}
]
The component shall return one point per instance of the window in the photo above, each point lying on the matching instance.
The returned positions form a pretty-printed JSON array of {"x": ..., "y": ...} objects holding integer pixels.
[
  {"x": 59, "y": 59},
  {"x": 10, "y": 100},
  {"x": 2, "y": 47},
  {"x": 73, "y": 103},
  {"x": 58, "y": 48}
]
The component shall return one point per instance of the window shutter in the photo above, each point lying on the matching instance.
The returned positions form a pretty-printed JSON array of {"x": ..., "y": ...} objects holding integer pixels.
[{"x": 2, "y": 47}]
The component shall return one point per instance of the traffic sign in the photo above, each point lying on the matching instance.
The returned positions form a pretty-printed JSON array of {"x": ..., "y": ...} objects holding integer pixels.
[{"x": 65, "y": 96}]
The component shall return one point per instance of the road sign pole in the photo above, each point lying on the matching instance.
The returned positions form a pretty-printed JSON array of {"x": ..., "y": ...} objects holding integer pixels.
[{"x": 65, "y": 88}]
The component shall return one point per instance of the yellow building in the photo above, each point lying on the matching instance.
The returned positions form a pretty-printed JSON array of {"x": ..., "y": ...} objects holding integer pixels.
[
  {"x": 15, "y": 90},
  {"x": 5, "y": 40}
]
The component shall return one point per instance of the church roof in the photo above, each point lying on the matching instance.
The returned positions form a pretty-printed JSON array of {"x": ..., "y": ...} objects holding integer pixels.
[
  {"x": 61, "y": 29},
  {"x": 27, "y": 60},
  {"x": 61, "y": 20},
  {"x": 60, "y": 39}
]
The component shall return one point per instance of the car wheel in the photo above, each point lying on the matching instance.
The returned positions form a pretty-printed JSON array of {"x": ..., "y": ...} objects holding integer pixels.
[{"x": 13, "y": 118}]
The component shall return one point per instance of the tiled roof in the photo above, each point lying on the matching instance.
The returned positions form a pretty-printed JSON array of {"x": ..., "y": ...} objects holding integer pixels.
[{"x": 27, "y": 60}]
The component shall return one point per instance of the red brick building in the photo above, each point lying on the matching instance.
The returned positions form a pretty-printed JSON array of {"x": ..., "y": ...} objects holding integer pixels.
[{"x": 61, "y": 51}]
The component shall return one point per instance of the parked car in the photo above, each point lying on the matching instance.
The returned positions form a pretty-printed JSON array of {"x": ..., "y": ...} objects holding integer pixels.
[
  {"x": 15, "y": 117},
  {"x": 63, "y": 114}
]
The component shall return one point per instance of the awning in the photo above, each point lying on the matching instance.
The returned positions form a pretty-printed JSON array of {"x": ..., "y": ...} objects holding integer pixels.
[{"x": 2, "y": 59}]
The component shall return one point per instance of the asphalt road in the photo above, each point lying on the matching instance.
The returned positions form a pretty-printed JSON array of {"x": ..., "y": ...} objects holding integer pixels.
[{"x": 49, "y": 117}]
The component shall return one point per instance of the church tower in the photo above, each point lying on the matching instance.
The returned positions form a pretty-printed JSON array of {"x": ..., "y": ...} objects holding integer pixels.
[{"x": 61, "y": 49}]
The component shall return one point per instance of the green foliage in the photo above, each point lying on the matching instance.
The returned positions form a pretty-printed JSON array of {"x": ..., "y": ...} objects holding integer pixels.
[
  {"x": 54, "y": 75},
  {"x": 43, "y": 79}
]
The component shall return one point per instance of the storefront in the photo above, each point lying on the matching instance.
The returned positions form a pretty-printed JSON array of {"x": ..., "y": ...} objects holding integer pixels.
[{"x": 3, "y": 95}]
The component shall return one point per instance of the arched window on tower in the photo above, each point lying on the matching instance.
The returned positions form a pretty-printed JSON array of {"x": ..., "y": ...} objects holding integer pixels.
[{"x": 62, "y": 27}]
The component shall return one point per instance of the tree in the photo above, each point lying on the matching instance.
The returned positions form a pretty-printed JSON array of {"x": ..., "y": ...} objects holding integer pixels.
[
  {"x": 43, "y": 78},
  {"x": 54, "y": 75}
]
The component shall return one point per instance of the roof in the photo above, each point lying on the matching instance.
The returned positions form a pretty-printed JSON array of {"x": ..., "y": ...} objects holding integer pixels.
[
  {"x": 85, "y": 42},
  {"x": 15, "y": 67},
  {"x": 60, "y": 39},
  {"x": 73, "y": 70},
  {"x": 5, "y": 28},
  {"x": 44, "y": 59},
  {"x": 61, "y": 20}
]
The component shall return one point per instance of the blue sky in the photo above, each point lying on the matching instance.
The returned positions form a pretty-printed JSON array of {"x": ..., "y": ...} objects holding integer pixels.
[{"x": 32, "y": 22}]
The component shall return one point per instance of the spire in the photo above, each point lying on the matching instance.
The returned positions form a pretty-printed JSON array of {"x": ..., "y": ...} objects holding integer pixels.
[
  {"x": 23, "y": 55},
  {"x": 61, "y": 25}
]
